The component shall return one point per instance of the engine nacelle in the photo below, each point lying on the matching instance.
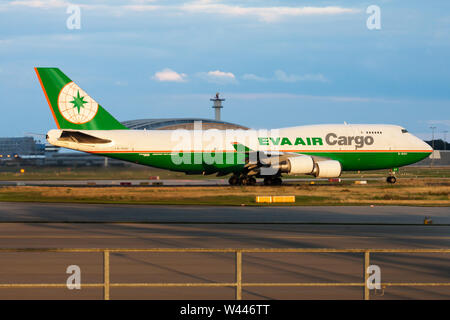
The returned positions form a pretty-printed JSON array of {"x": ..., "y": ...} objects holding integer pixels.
[
  {"x": 327, "y": 169},
  {"x": 298, "y": 165}
]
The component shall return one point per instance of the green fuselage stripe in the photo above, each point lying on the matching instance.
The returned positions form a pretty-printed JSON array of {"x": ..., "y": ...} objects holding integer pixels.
[{"x": 227, "y": 162}]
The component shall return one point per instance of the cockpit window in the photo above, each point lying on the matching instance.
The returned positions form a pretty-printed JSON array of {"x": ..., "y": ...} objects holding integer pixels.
[{"x": 404, "y": 131}]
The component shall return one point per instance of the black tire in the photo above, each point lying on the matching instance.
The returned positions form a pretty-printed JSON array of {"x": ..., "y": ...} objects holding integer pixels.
[
  {"x": 273, "y": 181},
  {"x": 251, "y": 181},
  {"x": 391, "y": 179},
  {"x": 234, "y": 180}
]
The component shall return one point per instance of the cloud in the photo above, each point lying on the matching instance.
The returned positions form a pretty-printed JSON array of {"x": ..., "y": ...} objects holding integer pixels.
[
  {"x": 273, "y": 95},
  {"x": 168, "y": 75},
  {"x": 40, "y": 4},
  {"x": 221, "y": 74},
  {"x": 267, "y": 14},
  {"x": 254, "y": 77},
  {"x": 218, "y": 76},
  {"x": 284, "y": 77},
  {"x": 280, "y": 75},
  {"x": 142, "y": 5},
  {"x": 136, "y": 5}
]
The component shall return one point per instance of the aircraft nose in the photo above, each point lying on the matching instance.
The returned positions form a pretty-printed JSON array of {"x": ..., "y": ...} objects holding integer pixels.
[{"x": 425, "y": 145}]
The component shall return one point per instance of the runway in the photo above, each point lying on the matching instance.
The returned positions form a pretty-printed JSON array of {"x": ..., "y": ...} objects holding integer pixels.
[
  {"x": 107, "y": 226},
  {"x": 55, "y": 212},
  {"x": 115, "y": 183},
  {"x": 158, "y": 182}
]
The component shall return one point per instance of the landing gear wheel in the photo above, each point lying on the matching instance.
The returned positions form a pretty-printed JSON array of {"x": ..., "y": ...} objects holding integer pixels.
[
  {"x": 273, "y": 181},
  {"x": 234, "y": 180},
  {"x": 267, "y": 181},
  {"x": 243, "y": 181},
  {"x": 251, "y": 181},
  {"x": 277, "y": 181},
  {"x": 391, "y": 179}
]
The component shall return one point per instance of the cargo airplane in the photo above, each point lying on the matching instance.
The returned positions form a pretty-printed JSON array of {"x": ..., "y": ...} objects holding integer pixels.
[{"x": 323, "y": 151}]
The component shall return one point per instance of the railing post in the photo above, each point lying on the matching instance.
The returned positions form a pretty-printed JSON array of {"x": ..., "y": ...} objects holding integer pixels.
[
  {"x": 106, "y": 275},
  {"x": 238, "y": 275},
  {"x": 366, "y": 275}
]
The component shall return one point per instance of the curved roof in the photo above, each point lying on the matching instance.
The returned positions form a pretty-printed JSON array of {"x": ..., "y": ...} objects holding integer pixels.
[{"x": 179, "y": 123}]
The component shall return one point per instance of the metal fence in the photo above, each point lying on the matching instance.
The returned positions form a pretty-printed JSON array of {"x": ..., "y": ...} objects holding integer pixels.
[{"x": 238, "y": 284}]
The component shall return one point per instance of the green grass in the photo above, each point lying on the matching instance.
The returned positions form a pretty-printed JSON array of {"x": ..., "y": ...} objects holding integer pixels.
[
  {"x": 426, "y": 191},
  {"x": 304, "y": 196},
  {"x": 208, "y": 200}
]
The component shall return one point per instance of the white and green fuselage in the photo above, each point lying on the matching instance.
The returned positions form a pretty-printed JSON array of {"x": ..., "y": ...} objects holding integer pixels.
[
  {"x": 85, "y": 126},
  {"x": 389, "y": 146}
]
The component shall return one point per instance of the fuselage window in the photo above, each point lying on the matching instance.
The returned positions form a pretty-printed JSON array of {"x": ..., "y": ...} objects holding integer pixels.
[{"x": 404, "y": 131}]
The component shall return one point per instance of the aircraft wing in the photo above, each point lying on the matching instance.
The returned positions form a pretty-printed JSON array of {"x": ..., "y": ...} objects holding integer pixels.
[{"x": 257, "y": 159}]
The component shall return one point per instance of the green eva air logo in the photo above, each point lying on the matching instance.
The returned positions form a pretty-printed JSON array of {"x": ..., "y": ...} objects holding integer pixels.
[{"x": 75, "y": 105}]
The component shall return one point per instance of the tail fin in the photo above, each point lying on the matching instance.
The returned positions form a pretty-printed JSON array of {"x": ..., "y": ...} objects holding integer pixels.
[{"x": 71, "y": 106}]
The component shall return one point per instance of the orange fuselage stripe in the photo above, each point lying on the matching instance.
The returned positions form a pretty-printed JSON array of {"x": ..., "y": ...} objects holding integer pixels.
[
  {"x": 48, "y": 100},
  {"x": 305, "y": 151}
]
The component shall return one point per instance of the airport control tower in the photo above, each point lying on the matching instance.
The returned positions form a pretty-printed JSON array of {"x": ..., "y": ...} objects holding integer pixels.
[{"x": 217, "y": 105}]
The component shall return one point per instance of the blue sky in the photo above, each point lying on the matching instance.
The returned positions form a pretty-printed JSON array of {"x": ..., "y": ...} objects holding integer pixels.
[{"x": 278, "y": 63}]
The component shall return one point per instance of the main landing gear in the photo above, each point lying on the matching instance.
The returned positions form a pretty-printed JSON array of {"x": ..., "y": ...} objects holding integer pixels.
[
  {"x": 243, "y": 180},
  {"x": 273, "y": 181}
]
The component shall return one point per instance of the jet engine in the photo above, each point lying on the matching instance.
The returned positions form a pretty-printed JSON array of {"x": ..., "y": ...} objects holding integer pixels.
[
  {"x": 297, "y": 165},
  {"x": 327, "y": 169},
  {"x": 305, "y": 165}
]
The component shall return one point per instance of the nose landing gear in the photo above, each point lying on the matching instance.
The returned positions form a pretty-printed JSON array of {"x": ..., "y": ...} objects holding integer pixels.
[{"x": 391, "y": 178}]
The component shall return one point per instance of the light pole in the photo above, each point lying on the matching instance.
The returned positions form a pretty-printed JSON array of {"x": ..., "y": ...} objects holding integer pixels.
[{"x": 432, "y": 144}]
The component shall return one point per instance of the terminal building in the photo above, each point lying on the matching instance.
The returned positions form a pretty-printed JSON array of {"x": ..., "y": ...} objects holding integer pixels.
[
  {"x": 180, "y": 123},
  {"x": 24, "y": 146}
]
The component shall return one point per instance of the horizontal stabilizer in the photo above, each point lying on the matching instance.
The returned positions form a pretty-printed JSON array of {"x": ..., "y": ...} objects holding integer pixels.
[{"x": 80, "y": 137}]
